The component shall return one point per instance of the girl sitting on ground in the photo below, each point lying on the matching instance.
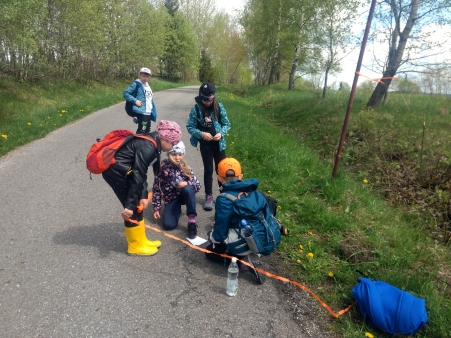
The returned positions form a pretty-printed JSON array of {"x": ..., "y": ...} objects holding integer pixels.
[{"x": 176, "y": 185}]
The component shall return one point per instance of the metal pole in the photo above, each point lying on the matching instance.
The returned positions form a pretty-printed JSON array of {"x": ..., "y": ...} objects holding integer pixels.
[{"x": 354, "y": 86}]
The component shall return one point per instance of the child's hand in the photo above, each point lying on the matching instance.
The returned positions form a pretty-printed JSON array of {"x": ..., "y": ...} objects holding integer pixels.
[
  {"x": 217, "y": 137},
  {"x": 156, "y": 215},
  {"x": 207, "y": 136},
  {"x": 182, "y": 185},
  {"x": 139, "y": 103}
]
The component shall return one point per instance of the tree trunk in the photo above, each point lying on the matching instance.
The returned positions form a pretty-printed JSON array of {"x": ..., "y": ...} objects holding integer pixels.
[
  {"x": 396, "y": 51},
  {"x": 297, "y": 51},
  {"x": 275, "y": 62}
]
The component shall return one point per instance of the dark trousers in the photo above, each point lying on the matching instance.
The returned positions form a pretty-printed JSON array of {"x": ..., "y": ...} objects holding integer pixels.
[
  {"x": 173, "y": 209},
  {"x": 143, "y": 123},
  {"x": 210, "y": 152},
  {"x": 121, "y": 188}
]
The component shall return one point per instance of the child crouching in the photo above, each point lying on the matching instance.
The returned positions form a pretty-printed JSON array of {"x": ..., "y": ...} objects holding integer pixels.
[{"x": 176, "y": 185}]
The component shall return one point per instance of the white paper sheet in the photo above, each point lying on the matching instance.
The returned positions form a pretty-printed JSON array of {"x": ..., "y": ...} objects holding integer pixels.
[{"x": 197, "y": 241}]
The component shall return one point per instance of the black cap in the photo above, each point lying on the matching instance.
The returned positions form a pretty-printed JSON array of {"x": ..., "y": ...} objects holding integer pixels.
[{"x": 207, "y": 91}]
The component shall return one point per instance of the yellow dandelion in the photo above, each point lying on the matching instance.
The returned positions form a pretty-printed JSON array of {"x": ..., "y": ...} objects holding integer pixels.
[
  {"x": 301, "y": 251},
  {"x": 64, "y": 111},
  {"x": 254, "y": 115},
  {"x": 311, "y": 234},
  {"x": 61, "y": 114},
  {"x": 29, "y": 123},
  {"x": 309, "y": 242},
  {"x": 269, "y": 191},
  {"x": 368, "y": 335},
  {"x": 310, "y": 254},
  {"x": 5, "y": 136},
  {"x": 233, "y": 142},
  {"x": 48, "y": 117},
  {"x": 279, "y": 207},
  {"x": 227, "y": 134},
  {"x": 301, "y": 247},
  {"x": 299, "y": 261},
  {"x": 40, "y": 124},
  {"x": 82, "y": 110},
  {"x": 331, "y": 274},
  {"x": 365, "y": 181}
]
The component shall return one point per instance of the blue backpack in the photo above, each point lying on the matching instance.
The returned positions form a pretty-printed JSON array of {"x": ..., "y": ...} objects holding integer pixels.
[
  {"x": 128, "y": 104},
  {"x": 385, "y": 307},
  {"x": 254, "y": 208}
]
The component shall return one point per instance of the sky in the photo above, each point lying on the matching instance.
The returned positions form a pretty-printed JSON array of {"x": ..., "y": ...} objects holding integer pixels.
[
  {"x": 349, "y": 64},
  {"x": 230, "y": 5}
]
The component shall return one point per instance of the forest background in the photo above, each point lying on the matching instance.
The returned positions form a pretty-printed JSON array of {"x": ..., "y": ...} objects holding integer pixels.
[{"x": 272, "y": 62}]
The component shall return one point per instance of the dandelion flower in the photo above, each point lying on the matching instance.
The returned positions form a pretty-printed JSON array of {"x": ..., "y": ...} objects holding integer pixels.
[
  {"x": 233, "y": 142},
  {"x": 301, "y": 251},
  {"x": 365, "y": 181},
  {"x": 82, "y": 110},
  {"x": 61, "y": 114},
  {"x": 301, "y": 247},
  {"x": 29, "y": 123},
  {"x": 269, "y": 191},
  {"x": 227, "y": 134},
  {"x": 5, "y": 136},
  {"x": 311, "y": 234},
  {"x": 299, "y": 261},
  {"x": 310, "y": 254},
  {"x": 279, "y": 207},
  {"x": 368, "y": 335},
  {"x": 331, "y": 274}
]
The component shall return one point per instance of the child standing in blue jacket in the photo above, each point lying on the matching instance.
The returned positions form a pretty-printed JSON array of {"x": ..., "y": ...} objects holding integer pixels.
[
  {"x": 140, "y": 94},
  {"x": 176, "y": 185}
]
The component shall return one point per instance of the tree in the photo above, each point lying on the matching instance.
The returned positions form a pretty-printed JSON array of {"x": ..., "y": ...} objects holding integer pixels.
[
  {"x": 334, "y": 33},
  {"x": 405, "y": 21}
]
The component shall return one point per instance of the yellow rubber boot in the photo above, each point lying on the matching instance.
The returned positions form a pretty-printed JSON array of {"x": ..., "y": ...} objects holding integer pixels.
[
  {"x": 136, "y": 245},
  {"x": 156, "y": 244}
]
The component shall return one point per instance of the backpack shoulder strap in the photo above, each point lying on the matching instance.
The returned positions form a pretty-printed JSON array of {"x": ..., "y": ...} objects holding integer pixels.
[
  {"x": 138, "y": 84},
  {"x": 229, "y": 196}
]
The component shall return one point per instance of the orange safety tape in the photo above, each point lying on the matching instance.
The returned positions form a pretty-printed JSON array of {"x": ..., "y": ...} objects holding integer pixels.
[
  {"x": 283, "y": 279},
  {"x": 379, "y": 79}
]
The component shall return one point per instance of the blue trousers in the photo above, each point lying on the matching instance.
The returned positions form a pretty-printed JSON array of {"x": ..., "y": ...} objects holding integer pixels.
[{"x": 173, "y": 209}]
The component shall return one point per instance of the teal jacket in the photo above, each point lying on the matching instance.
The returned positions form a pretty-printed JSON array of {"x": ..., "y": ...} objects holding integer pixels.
[{"x": 222, "y": 126}]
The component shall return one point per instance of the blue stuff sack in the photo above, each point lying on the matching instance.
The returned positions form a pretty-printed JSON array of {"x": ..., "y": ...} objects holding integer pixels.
[{"x": 385, "y": 307}]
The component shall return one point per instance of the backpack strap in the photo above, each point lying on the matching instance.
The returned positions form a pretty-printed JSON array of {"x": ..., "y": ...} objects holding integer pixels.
[{"x": 147, "y": 138}]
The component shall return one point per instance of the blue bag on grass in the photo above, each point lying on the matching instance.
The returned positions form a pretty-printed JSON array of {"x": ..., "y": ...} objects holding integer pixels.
[{"x": 388, "y": 308}]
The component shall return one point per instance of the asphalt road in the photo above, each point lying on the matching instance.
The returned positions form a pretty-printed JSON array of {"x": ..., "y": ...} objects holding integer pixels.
[{"x": 64, "y": 271}]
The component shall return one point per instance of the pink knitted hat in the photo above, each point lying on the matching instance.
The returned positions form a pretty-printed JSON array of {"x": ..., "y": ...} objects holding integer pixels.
[{"x": 169, "y": 131}]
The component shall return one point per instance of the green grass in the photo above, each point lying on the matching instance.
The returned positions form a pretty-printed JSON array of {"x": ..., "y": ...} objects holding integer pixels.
[
  {"x": 29, "y": 111},
  {"x": 282, "y": 138},
  {"x": 287, "y": 140}
]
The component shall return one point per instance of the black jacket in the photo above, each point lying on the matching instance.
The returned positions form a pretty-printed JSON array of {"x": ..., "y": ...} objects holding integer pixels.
[{"x": 132, "y": 162}]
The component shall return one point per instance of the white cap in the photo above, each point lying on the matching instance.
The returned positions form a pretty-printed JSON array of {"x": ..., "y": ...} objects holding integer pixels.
[
  {"x": 233, "y": 259},
  {"x": 145, "y": 70}
]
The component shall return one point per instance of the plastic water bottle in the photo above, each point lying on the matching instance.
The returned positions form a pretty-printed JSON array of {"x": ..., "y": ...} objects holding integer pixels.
[
  {"x": 232, "y": 278},
  {"x": 247, "y": 230}
]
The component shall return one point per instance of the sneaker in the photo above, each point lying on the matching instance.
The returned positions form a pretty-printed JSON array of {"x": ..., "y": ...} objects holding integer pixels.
[
  {"x": 256, "y": 262},
  {"x": 208, "y": 205},
  {"x": 192, "y": 230},
  {"x": 135, "y": 120}
]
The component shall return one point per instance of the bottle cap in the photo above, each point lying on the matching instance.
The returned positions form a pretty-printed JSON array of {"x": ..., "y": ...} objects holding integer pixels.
[{"x": 233, "y": 259}]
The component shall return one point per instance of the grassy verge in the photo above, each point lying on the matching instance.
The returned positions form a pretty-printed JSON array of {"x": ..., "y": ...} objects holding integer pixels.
[
  {"x": 339, "y": 229},
  {"x": 29, "y": 111}
]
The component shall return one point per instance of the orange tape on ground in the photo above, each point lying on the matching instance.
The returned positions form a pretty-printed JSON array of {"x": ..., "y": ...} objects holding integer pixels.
[{"x": 283, "y": 279}]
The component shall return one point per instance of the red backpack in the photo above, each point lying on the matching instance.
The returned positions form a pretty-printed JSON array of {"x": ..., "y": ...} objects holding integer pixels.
[{"x": 101, "y": 155}]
